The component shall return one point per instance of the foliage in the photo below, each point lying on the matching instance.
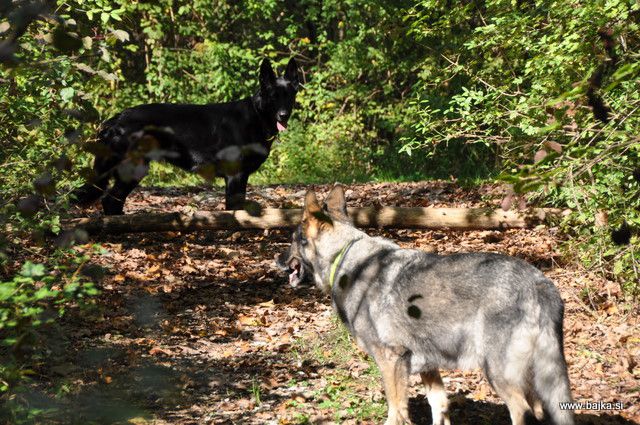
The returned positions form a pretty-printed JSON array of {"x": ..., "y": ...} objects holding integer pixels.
[
  {"x": 551, "y": 89},
  {"x": 542, "y": 93},
  {"x": 40, "y": 114},
  {"x": 30, "y": 303},
  {"x": 486, "y": 86}
]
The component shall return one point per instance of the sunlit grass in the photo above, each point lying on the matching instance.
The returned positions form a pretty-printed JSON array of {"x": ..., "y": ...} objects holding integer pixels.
[{"x": 342, "y": 397}]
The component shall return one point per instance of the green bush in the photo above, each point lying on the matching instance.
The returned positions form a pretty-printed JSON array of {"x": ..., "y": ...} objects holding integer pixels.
[
  {"x": 30, "y": 303},
  {"x": 541, "y": 93},
  {"x": 551, "y": 89}
]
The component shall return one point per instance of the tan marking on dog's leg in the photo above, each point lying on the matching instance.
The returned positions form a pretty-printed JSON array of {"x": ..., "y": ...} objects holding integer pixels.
[
  {"x": 437, "y": 397},
  {"x": 395, "y": 377},
  {"x": 536, "y": 404},
  {"x": 516, "y": 402}
]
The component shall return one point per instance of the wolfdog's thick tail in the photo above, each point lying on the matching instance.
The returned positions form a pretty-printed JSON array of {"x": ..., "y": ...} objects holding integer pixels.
[{"x": 550, "y": 376}]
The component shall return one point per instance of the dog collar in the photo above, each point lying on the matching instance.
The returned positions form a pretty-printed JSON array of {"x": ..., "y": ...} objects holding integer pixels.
[{"x": 336, "y": 262}]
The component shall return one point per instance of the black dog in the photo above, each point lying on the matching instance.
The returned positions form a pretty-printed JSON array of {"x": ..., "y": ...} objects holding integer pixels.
[{"x": 229, "y": 140}]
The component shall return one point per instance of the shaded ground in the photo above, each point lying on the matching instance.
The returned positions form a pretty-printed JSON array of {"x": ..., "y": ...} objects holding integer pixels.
[{"x": 202, "y": 328}]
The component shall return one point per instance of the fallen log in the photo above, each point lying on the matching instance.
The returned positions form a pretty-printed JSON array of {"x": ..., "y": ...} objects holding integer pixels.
[{"x": 273, "y": 218}]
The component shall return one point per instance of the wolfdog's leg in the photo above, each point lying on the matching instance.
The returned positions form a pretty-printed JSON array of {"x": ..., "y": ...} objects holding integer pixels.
[
  {"x": 516, "y": 401},
  {"x": 394, "y": 368},
  {"x": 437, "y": 397},
  {"x": 535, "y": 403},
  {"x": 550, "y": 377}
]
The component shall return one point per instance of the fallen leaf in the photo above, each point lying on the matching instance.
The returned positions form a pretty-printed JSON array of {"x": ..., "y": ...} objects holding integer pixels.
[{"x": 157, "y": 350}]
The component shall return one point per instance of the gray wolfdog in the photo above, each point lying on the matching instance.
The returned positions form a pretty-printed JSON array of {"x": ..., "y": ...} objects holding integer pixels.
[{"x": 415, "y": 312}]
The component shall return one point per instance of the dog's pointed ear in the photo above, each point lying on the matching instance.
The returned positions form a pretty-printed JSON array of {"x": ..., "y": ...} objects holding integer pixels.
[
  {"x": 291, "y": 73},
  {"x": 311, "y": 205},
  {"x": 267, "y": 76},
  {"x": 314, "y": 220},
  {"x": 336, "y": 203}
]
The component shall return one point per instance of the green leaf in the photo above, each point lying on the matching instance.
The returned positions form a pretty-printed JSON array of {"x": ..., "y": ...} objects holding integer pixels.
[
  {"x": 6, "y": 290},
  {"x": 30, "y": 269},
  {"x": 67, "y": 93},
  {"x": 108, "y": 76},
  {"x": 43, "y": 293},
  {"x": 84, "y": 68},
  {"x": 121, "y": 35}
]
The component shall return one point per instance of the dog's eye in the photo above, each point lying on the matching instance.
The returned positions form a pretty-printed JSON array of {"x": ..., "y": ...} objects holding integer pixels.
[{"x": 303, "y": 241}]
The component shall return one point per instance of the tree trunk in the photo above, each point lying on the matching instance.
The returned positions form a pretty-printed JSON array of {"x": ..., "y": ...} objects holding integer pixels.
[{"x": 272, "y": 218}]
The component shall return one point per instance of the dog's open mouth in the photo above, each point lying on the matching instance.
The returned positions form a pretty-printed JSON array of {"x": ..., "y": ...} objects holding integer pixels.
[
  {"x": 295, "y": 272},
  {"x": 281, "y": 126}
]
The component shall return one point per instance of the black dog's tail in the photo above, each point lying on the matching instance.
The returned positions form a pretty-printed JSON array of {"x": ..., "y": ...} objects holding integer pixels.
[{"x": 109, "y": 136}]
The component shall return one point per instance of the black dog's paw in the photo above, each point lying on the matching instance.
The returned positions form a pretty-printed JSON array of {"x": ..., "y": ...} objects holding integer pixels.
[
  {"x": 86, "y": 195},
  {"x": 112, "y": 207},
  {"x": 114, "y": 211}
]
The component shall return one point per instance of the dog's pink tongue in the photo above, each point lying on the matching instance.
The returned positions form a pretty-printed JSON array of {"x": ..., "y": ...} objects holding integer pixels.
[
  {"x": 280, "y": 126},
  {"x": 293, "y": 278}
]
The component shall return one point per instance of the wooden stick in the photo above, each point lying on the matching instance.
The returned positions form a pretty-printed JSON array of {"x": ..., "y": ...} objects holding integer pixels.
[{"x": 272, "y": 218}]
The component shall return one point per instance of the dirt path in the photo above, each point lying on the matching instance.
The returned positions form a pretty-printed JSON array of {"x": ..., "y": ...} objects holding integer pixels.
[{"x": 202, "y": 328}]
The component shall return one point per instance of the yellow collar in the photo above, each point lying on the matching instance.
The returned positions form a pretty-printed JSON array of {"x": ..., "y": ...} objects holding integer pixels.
[{"x": 336, "y": 262}]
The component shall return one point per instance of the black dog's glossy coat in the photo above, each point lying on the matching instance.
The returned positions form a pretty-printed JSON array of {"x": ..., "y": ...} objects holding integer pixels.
[{"x": 232, "y": 138}]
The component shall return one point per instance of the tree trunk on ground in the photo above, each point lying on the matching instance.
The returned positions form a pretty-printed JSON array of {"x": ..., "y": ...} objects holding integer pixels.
[{"x": 272, "y": 218}]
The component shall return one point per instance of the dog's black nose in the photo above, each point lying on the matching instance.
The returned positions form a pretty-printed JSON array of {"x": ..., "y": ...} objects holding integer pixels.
[
  {"x": 281, "y": 260},
  {"x": 282, "y": 116}
]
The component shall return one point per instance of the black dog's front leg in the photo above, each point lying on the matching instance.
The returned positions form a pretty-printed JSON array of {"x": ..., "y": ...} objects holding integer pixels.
[
  {"x": 113, "y": 201},
  {"x": 235, "y": 191}
]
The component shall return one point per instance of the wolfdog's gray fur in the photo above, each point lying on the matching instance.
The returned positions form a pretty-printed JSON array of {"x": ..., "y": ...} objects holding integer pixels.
[{"x": 415, "y": 312}]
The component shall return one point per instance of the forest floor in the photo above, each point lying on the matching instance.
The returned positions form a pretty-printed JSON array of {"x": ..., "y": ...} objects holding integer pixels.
[{"x": 202, "y": 328}]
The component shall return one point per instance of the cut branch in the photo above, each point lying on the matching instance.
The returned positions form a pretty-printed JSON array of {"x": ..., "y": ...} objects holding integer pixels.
[{"x": 271, "y": 218}]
